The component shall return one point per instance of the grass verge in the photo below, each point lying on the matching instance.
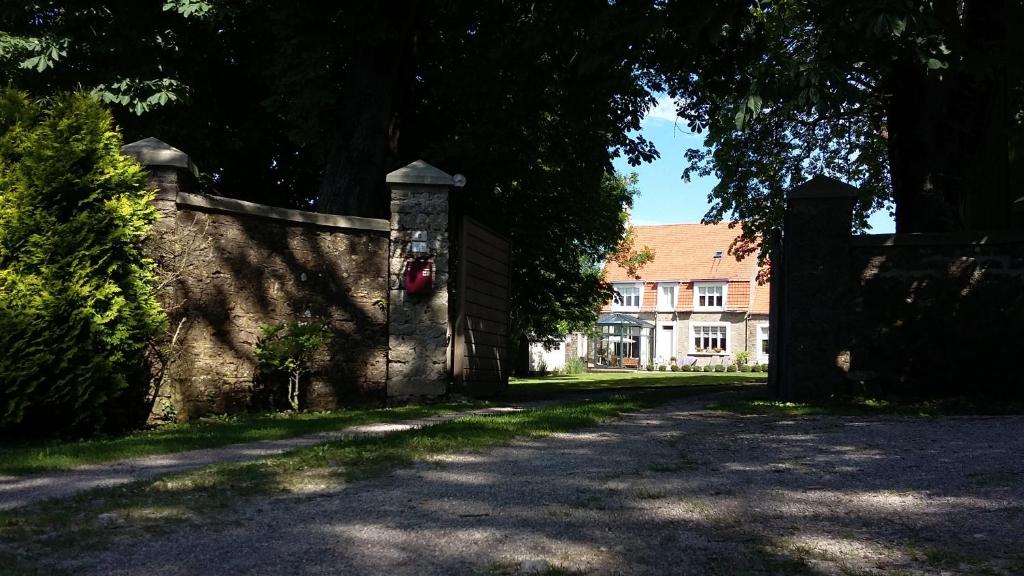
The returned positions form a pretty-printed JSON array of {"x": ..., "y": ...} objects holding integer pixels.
[
  {"x": 858, "y": 406},
  {"x": 213, "y": 432},
  {"x": 34, "y": 536},
  {"x": 544, "y": 386}
]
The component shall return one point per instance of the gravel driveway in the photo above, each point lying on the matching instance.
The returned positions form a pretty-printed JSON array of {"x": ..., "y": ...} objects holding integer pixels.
[{"x": 678, "y": 490}]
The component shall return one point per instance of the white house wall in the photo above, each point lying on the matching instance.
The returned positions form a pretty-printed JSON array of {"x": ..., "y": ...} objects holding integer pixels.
[{"x": 542, "y": 360}]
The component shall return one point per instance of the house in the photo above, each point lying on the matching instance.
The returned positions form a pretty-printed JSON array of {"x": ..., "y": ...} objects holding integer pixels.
[{"x": 694, "y": 302}]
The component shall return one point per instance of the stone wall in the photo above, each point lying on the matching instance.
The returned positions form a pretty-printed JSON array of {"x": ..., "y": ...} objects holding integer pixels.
[
  {"x": 904, "y": 314},
  {"x": 938, "y": 314},
  {"x": 228, "y": 272},
  {"x": 419, "y": 332},
  {"x": 228, "y": 267}
]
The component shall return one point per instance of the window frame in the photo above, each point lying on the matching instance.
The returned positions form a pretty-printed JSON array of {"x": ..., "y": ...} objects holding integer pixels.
[
  {"x": 639, "y": 297},
  {"x": 661, "y": 306},
  {"x": 764, "y": 358},
  {"x": 726, "y": 326},
  {"x": 696, "y": 296}
]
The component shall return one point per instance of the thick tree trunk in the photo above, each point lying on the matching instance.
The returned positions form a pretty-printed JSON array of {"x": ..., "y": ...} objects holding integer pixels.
[
  {"x": 913, "y": 148},
  {"x": 983, "y": 90},
  {"x": 949, "y": 129},
  {"x": 521, "y": 360},
  {"x": 373, "y": 90}
]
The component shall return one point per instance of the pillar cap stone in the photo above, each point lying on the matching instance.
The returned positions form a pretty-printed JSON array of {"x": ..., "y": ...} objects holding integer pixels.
[
  {"x": 823, "y": 187},
  {"x": 155, "y": 152},
  {"x": 419, "y": 172}
]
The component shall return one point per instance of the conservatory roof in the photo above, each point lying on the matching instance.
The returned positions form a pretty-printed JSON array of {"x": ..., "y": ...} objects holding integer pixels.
[{"x": 614, "y": 318}]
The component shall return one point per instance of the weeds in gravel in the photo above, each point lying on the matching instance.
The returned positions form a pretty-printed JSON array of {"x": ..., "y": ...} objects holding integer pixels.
[{"x": 858, "y": 406}]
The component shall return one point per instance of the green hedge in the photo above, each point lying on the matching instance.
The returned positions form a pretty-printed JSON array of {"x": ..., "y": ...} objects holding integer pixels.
[{"x": 76, "y": 296}]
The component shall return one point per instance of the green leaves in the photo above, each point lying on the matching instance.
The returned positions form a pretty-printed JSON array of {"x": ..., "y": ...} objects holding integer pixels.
[
  {"x": 32, "y": 53},
  {"x": 76, "y": 302},
  {"x": 141, "y": 96},
  {"x": 290, "y": 346},
  {"x": 188, "y": 8}
]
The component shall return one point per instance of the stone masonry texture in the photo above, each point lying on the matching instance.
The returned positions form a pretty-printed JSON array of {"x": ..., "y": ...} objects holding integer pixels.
[
  {"x": 897, "y": 314},
  {"x": 227, "y": 274},
  {"x": 418, "y": 333}
]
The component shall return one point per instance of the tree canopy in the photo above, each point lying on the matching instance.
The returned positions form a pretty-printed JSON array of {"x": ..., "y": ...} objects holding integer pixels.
[
  {"x": 919, "y": 103},
  {"x": 310, "y": 105}
]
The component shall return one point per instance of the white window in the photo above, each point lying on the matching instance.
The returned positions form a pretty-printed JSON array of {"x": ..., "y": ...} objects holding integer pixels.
[
  {"x": 709, "y": 338},
  {"x": 627, "y": 296},
  {"x": 762, "y": 343},
  {"x": 709, "y": 296},
  {"x": 667, "y": 296}
]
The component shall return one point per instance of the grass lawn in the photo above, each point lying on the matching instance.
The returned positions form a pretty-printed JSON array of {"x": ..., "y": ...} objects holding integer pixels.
[
  {"x": 60, "y": 529},
  {"x": 23, "y": 458},
  {"x": 543, "y": 386}
]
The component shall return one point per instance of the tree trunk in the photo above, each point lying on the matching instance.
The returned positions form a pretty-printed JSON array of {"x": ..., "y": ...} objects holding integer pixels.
[
  {"x": 949, "y": 129},
  {"x": 293, "y": 389},
  {"x": 373, "y": 91},
  {"x": 984, "y": 111},
  {"x": 521, "y": 361},
  {"x": 914, "y": 150}
]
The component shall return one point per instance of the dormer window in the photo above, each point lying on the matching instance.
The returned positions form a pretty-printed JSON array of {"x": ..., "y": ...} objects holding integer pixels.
[
  {"x": 627, "y": 296},
  {"x": 667, "y": 292},
  {"x": 709, "y": 296}
]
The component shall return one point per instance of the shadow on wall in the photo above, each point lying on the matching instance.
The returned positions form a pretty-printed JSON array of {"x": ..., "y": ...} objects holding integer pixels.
[
  {"x": 938, "y": 319},
  {"x": 249, "y": 271}
]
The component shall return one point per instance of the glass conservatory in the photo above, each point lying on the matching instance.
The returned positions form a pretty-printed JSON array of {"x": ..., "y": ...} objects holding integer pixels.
[{"x": 622, "y": 341}]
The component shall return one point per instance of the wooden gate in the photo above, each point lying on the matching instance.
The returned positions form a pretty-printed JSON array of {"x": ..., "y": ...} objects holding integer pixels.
[{"x": 481, "y": 359}]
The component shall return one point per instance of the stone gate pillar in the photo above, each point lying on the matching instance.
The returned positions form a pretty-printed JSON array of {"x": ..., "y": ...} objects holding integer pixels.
[
  {"x": 816, "y": 236},
  {"x": 418, "y": 328}
]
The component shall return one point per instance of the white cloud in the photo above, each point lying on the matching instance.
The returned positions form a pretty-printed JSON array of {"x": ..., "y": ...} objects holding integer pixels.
[{"x": 663, "y": 111}]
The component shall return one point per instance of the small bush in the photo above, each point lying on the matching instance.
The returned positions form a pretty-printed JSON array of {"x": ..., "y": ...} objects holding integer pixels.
[
  {"x": 686, "y": 368},
  {"x": 744, "y": 368},
  {"x": 720, "y": 368},
  {"x": 76, "y": 290},
  {"x": 707, "y": 368},
  {"x": 674, "y": 368},
  {"x": 289, "y": 349},
  {"x": 661, "y": 368},
  {"x": 574, "y": 365},
  {"x": 732, "y": 368}
]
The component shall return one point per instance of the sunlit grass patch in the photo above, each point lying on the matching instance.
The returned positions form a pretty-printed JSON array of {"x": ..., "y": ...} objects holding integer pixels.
[
  {"x": 543, "y": 386},
  {"x": 212, "y": 432}
]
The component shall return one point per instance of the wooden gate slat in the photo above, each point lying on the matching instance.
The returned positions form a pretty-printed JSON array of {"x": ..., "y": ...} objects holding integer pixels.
[{"x": 482, "y": 357}]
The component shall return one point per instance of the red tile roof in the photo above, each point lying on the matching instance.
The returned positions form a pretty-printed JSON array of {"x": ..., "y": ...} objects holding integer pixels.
[{"x": 685, "y": 253}]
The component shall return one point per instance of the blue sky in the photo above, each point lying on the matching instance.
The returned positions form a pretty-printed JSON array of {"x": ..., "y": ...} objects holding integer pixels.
[{"x": 664, "y": 197}]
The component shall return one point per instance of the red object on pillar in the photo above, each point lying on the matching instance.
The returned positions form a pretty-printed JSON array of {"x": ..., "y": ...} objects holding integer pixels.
[{"x": 419, "y": 276}]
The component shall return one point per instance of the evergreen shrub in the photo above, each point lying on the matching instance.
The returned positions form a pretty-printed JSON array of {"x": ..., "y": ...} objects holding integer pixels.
[{"x": 76, "y": 290}]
